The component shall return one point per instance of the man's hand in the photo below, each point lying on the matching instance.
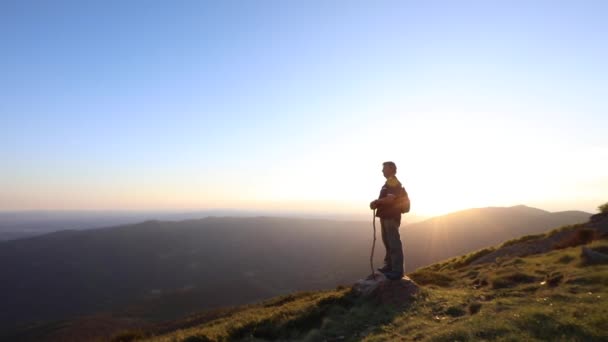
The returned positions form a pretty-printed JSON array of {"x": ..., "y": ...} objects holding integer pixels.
[
  {"x": 383, "y": 201},
  {"x": 373, "y": 204}
]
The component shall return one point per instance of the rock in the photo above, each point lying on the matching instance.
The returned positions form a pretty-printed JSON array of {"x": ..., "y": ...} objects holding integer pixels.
[
  {"x": 386, "y": 291},
  {"x": 592, "y": 257},
  {"x": 599, "y": 222},
  {"x": 598, "y": 217}
]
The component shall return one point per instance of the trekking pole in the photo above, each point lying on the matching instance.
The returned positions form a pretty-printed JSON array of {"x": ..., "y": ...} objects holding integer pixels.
[{"x": 371, "y": 257}]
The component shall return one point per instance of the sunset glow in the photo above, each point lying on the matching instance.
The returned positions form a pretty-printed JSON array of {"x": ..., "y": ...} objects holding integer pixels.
[{"x": 294, "y": 108}]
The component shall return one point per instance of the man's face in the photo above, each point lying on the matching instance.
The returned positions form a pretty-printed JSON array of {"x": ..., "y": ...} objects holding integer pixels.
[{"x": 387, "y": 171}]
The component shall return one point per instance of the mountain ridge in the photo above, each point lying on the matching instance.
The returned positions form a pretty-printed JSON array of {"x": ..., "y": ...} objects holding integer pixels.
[
  {"x": 459, "y": 232},
  {"x": 154, "y": 259},
  {"x": 555, "y": 294}
]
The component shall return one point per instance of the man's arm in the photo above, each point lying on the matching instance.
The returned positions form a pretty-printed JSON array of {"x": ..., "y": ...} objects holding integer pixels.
[
  {"x": 393, "y": 194},
  {"x": 389, "y": 199}
]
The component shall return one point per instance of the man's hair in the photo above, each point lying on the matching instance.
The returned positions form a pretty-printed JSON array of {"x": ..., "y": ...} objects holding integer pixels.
[{"x": 391, "y": 165}]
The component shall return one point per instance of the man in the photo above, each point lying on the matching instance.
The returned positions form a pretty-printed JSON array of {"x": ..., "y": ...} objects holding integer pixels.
[{"x": 390, "y": 218}]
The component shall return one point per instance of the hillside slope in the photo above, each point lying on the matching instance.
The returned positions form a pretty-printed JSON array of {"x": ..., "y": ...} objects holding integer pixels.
[
  {"x": 463, "y": 231},
  {"x": 558, "y": 294},
  {"x": 165, "y": 270},
  {"x": 553, "y": 296},
  {"x": 213, "y": 261}
]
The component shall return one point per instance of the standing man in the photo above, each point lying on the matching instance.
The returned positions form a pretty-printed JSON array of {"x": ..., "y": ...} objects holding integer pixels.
[{"x": 389, "y": 212}]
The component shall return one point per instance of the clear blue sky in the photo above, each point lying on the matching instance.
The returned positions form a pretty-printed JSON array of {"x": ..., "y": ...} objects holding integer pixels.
[{"x": 285, "y": 104}]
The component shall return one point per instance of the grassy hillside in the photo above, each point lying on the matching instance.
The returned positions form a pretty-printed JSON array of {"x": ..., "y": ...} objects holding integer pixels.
[
  {"x": 553, "y": 296},
  {"x": 460, "y": 232}
]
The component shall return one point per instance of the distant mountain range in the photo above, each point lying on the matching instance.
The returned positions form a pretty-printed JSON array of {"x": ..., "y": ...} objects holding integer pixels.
[
  {"x": 220, "y": 261},
  {"x": 21, "y": 224}
]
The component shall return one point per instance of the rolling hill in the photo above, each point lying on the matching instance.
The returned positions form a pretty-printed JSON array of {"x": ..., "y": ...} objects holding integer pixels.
[
  {"x": 164, "y": 270},
  {"x": 533, "y": 288},
  {"x": 460, "y": 232}
]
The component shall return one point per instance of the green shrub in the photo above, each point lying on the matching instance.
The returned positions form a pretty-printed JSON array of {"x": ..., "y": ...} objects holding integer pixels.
[
  {"x": 603, "y": 208},
  {"x": 512, "y": 279},
  {"x": 474, "y": 308},
  {"x": 522, "y": 239},
  {"x": 580, "y": 237},
  {"x": 455, "y": 311},
  {"x": 466, "y": 260},
  {"x": 565, "y": 259},
  {"x": 564, "y": 229},
  {"x": 554, "y": 279}
]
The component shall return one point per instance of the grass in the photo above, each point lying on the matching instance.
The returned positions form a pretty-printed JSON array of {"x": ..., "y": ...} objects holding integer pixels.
[
  {"x": 544, "y": 297},
  {"x": 523, "y": 239},
  {"x": 524, "y": 310},
  {"x": 461, "y": 261},
  {"x": 129, "y": 335},
  {"x": 512, "y": 279},
  {"x": 307, "y": 316},
  {"x": 581, "y": 237},
  {"x": 564, "y": 229},
  {"x": 428, "y": 277}
]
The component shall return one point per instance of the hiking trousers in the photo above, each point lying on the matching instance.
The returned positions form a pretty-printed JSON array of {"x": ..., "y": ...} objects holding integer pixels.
[{"x": 392, "y": 244}]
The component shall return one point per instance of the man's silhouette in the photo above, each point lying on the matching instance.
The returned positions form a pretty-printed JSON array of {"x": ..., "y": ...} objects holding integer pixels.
[{"x": 389, "y": 213}]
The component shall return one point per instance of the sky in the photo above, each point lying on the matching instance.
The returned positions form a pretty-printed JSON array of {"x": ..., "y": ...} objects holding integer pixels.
[{"x": 294, "y": 105}]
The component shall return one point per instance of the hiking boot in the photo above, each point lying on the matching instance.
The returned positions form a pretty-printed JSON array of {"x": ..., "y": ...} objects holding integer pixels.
[
  {"x": 384, "y": 269},
  {"x": 393, "y": 275}
]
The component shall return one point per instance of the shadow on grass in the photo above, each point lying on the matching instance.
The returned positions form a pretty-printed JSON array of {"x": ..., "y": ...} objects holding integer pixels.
[{"x": 341, "y": 318}]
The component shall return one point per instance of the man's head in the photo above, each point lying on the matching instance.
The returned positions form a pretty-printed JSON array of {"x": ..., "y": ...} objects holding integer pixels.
[{"x": 389, "y": 169}]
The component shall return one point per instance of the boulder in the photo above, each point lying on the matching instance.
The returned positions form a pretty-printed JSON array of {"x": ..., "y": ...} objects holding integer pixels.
[
  {"x": 386, "y": 291},
  {"x": 599, "y": 222},
  {"x": 592, "y": 257}
]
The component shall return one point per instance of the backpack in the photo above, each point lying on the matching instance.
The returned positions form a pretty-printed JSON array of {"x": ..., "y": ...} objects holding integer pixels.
[{"x": 404, "y": 201}]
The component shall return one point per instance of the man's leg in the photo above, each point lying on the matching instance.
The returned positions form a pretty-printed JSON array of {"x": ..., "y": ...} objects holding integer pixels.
[
  {"x": 394, "y": 244},
  {"x": 387, "y": 253}
]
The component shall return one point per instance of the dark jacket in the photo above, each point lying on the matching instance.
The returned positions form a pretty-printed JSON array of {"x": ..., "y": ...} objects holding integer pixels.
[{"x": 390, "y": 211}]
